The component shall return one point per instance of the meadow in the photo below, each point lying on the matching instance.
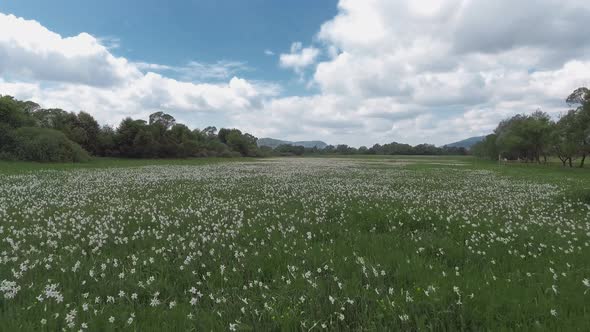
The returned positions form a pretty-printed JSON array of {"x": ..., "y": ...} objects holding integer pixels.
[{"x": 295, "y": 244}]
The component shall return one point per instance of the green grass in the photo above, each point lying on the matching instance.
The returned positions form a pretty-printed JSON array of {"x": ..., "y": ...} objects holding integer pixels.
[
  {"x": 346, "y": 243},
  {"x": 22, "y": 166}
]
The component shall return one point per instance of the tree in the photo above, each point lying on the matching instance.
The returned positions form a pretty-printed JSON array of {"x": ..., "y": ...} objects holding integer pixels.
[
  {"x": 525, "y": 137},
  {"x": 106, "y": 142},
  {"x": 580, "y": 96},
  {"x": 91, "y": 130},
  {"x": 81, "y": 128},
  {"x": 289, "y": 150},
  {"x": 13, "y": 113},
  {"x": 567, "y": 138},
  {"x": 210, "y": 132},
  {"x": 245, "y": 144},
  {"x": 144, "y": 144},
  {"x": 180, "y": 133},
  {"x": 160, "y": 137},
  {"x": 538, "y": 133},
  {"x": 222, "y": 135},
  {"x": 486, "y": 148},
  {"x": 125, "y": 136},
  {"x": 342, "y": 149},
  {"x": 580, "y": 122},
  {"x": 162, "y": 119},
  {"x": 45, "y": 145},
  {"x": 180, "y": 142}
]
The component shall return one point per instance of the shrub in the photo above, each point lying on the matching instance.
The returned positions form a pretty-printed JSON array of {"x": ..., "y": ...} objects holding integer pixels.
[
  {"x": 229, "y": 154},
  {"x": 45, "y": 145},
  {"x": 5, "y": 136}
]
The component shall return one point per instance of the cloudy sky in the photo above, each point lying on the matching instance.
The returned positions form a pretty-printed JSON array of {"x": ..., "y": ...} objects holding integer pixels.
[{"x": 350, "y": 71}]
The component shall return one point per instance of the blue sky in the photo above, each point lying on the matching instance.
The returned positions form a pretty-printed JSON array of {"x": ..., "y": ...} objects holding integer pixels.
[
  {"x": 179, "y": 31},
  {"x": 357, "y": 72}
]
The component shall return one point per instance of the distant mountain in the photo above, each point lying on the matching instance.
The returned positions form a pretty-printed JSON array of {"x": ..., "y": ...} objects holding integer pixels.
[
  {"x": 273, "y": 143},
  {"x": 466, "y": 143}
]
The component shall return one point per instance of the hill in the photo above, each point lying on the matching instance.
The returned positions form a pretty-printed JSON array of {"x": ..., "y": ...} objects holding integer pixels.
[
  {"x": 273, "y": 143},
  {"x": 466, "y": 143}
]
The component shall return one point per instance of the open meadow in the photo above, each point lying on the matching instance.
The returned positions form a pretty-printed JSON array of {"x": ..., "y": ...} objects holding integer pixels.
[{"x": 364, "y": 244}]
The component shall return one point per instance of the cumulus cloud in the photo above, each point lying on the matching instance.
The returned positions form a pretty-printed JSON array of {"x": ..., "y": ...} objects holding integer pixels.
[
  {"x": 299, "y": 58},
  {"x": 80, "y": 73},
  {"x": 454, "y": 67},
  {"x": 140, "y": 97},
  {"x": 412, "y": 71},
  {"x": 30, "y": 51},
  {"x": 199, "y": 71}
]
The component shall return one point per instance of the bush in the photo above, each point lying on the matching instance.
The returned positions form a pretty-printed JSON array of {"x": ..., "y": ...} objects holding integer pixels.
[
  {"x": 229, "y": 154},
  {"x": 45, "y": 145},
  {"x": 5, "y": 136}
]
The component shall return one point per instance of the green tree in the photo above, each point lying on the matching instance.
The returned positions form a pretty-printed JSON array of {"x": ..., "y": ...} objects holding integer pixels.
[
  {"x": 525, "y": 137},
  {"x": 567, "y": 138},
  {"x": 486, "y": 148},
  {"x": 91, "y": 129},
  {"x": 162, "y": 119},
  {"x": 581, "y": 123},
  {"x": 125, "y": 136},
  {"x": 245, "y": 144},
  {"x": 45, "y": 145},
  {"x": 14, "y": 113},
  {"x": 106, "y": 142}
]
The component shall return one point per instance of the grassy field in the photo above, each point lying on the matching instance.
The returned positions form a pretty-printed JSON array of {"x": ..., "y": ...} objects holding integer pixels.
[{"x": 365, "y": 244}]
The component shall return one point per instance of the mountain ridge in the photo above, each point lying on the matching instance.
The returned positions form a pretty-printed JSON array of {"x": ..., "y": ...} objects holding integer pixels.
[
  {"x": 273, "y": 143},
  {"x": 466, "y": 143}
]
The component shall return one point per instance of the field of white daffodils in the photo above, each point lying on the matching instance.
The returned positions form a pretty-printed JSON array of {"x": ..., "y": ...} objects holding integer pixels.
[{"x": 293, "y": 244}]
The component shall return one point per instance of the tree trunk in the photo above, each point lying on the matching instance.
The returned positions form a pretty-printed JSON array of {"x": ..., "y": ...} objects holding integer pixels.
[
  {"x": 583, "y": 159},
  {"x": 570, "y": 159}
]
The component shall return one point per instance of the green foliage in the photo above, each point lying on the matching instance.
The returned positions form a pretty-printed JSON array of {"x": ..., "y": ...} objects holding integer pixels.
[
  {"x": 15, "y": 113},
  {"x": 572, "y": 137},
  {"x": 44, "y": 145},
  {"x": 164, "y": 138},
  {"x": 163, "y": 120},
  {"x": 567, "y": 137},
  {"x": 289, "y": 150},
  {"x": 245, "y": 144},
  {"x": 525, "y": 137},
  {"x": 486, "y": 148},
  {"x": 161, "y": 137},
  {"x": 530, "y": 137},
  {"x": 377, "y": 149}
]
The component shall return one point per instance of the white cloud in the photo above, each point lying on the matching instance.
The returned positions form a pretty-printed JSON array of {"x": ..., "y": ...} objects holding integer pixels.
[
  {"x": 80, "y": 73},
  {"x": 199, "y": 71},
  {"x": 299, "y": 58},
  {"x": 454, "y": 67},
  {"x": 146, "y": 66},
  {"x": 150, "y": 93},
  {"x": 269, "y": 52},
  {"x": 30, "y": 51},
  {"x": 411, "y": 71}
]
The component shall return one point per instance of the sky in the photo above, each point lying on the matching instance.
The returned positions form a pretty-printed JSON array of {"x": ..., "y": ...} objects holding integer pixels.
[{"x": 354, "y": 72}]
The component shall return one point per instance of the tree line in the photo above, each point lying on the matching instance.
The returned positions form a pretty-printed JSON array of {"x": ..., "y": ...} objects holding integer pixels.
[
  {"x": 393, "y": 148},
  {"x": 29, "y": 132},
  {"x": 536, "y": 137}
]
